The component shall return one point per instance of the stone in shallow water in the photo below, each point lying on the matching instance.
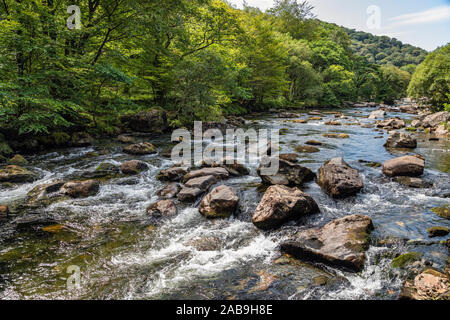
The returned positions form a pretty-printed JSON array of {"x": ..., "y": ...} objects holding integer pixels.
[
  {"x": 202, "y": 183},
  {"x": 163, "y": 208},
  {"x": 411, "y": 182},
  {"x": 438, "y": 232},
  {"x": 133, "y": 167},
  {"x": 410, "y": 166},
  {"x": 218, "y": 172},
  {"x": 221, "y": 202},
  {"x": 280, "y": 204},
  {"x": 401, "y": 140},
  {"x": 80, "y": 189},
  {"x": 140, "y": 148},
  {"x": 288, "y": 173},
  {"x": 443, "y": 212},
  {"x": 189, "y": 194},
  {"x": 429, "y": 285},
  {"x": 306, "y": 149},
  {"x": 169, "y": 191},
  {"x": 342, "y": 242},
  {"x": 16, "y": 174},
  {"x": 338, "y": 179},
  {"x": 172, "y": 174}
]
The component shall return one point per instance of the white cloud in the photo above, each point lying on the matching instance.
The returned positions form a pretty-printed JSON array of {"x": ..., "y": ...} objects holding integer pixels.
[{"x": 431, "y": 15}]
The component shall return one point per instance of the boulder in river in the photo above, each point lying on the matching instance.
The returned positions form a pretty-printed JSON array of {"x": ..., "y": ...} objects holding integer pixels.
[
  {"x": 189, "y": 194},
  {"x": 162, "y": 208},
  {"x": 438, "y": 231},
  {"x": 289, "y": 173},
  {"x": 390, "y": 124},
  {"x": 133, "y": 167},
  {"x": 435, "y": 119},
  {"x": 428, "y": 285},
  {"x": 221, "y": 202},
  {"x": 233, "y": 166},
  {"x": 169, "y": 191},
  {"x": 80, "y": 189},
  {"x": 16, "y": 174},
  {"x": 338, "y": 179},
  {"x": 172, "y": 174},
  {"x": 306, "y": 149},
  {"x": 412, "y": 182},
  {"x": 401, "y": 140},
  {"x": 280, "y": 204},
  {"x": 44, "y": 194},
  {"x": 313, "y": 143},
  {"x": 218, "y": 172},
  {"x": 203, "y": 183},
  {"x": 377, "y": 114},
  {"x": 149, "y": 121},
  {"x": 410, "y": 166},
  {"x": 290, "y": 157},
  {"x": 140, "y": 148},
  {"x": 342, "y": 242}
]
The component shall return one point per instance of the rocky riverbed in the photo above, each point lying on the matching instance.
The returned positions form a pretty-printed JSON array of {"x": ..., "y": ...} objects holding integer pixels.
[{"x": 355, "y": 212}]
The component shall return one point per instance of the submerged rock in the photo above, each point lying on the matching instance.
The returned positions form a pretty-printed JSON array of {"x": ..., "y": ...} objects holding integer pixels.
[
  {"x": 133, "y": 167},
  {"x": 313, "y": 143},
  {"x": 221, "y": 202},
  {"x": 280, "y": 204},
  {"x": 163, "y": 208},
  {"x": 290, "y": 157},
  {"x": 410, "y": 166},
  {"x": 205, "y": 243},
  {"x": 140, "y": 148},
  {"x": 16, "y": 174},
  {"x": 342, "y": 242},
  {"x": 336, "y": 135},
  {"x": 169, "y": 191},
  {"x": 403, "y": 260},
  {"x": 80, "y": 189},
  {"x": 306, "y": 149},
  {"x": 44, "y": 194},
  {"x": 338, "y": 179},
  {"x": 429, "y": 285},
  {"x": 401, "y": 140},
  {"x": 443, "y": 212},
  {"x": 172, "y": 174},
  {"x": 289, "y": 173}
]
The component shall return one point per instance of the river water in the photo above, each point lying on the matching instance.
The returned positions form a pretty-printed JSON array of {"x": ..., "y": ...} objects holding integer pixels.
[{"x": 122, "y": 254}]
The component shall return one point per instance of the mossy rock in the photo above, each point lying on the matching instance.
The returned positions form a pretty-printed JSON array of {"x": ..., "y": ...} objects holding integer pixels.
[
  {"x": 307, "y": 149},
  {"x": 283, "y": 131},
  {"x": 405, "y": 259},
  {"x": 56, "y": 139},
  {"x": 411, "y": 129},
  {"x": 336, "y": 135},
  {"x": 373, "y": 164},
  {"x": 442, "y": 212},
  {"x": 18, "y": 160}
]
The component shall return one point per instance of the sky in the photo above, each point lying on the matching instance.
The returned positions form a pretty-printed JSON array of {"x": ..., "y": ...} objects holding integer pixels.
[{"x": 422, "y": 23}]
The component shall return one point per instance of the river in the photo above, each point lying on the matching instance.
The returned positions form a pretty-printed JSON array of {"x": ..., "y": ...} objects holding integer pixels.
[{"x": 122, "y": 254}]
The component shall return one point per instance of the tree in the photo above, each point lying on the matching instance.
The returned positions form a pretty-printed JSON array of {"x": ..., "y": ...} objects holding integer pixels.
[{"x": 432, "y": 78}]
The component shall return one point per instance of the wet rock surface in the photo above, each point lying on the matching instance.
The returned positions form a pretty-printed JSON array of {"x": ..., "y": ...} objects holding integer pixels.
[
  {"x": 80, "y": 189},
  {"x": 133, "y": 167},
  {"x": 280, "y": 204},
  {"x": 342, "y": 242},
  {"x": 16, "y": 174},
  {"x": 428, "y": 285},
  {"x": 338, "y": 179},
  {"x": 221, "y": 202},
  {"x": 289, "y": 173},
  {"x": 410, "y": 166},
  {"x": 140, "y": 148},
  {"x": 163, "y": 208},
  {"x": 401, "y": 140}
]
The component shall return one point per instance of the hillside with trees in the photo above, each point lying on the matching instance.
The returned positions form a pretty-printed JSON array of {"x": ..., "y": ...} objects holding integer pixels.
[
  {"x": 195, "y": 59},
  {"x": 384, "y": 50}
]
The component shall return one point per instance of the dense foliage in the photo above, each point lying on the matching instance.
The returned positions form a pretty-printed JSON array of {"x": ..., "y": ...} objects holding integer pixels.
[
  {"x": 385, "y": 50},
  {"x": 196, "y": 59},
  {"x": 432, "y": 78}
]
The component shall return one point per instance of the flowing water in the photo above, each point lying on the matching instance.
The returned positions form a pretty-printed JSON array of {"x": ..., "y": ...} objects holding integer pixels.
[{"x": 122, "y": 254}]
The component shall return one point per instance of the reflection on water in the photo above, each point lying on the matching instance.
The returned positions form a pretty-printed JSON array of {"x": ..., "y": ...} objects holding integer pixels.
[{"x": 122, "y": 255}]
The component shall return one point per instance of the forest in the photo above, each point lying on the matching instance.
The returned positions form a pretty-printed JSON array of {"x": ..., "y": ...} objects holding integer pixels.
[{"x": 196, "y": 59}]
